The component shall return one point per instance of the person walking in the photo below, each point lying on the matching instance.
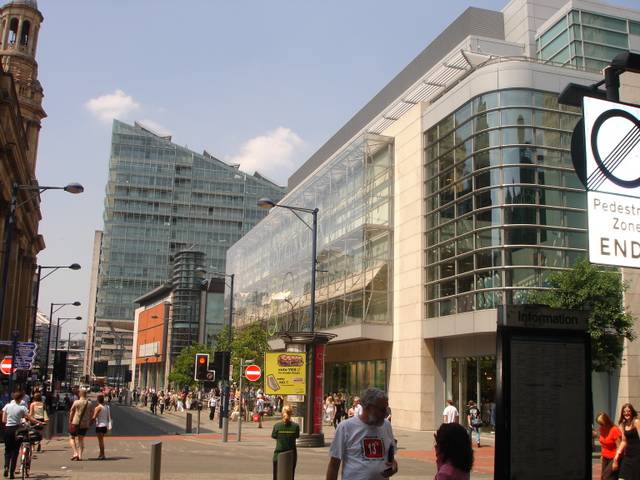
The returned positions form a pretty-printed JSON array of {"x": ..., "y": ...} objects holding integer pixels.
[
  {"x": 329, "y": 410},
  {"x": 364, "y": 444},
  {"x": 629, "y": 449},
  {"x": 450, "y": 413},
  {"x": 610, "y": 438},
  {"x": 102, "y": 419},
  {"x": 474, "y": 421},
  {"x": 340, "y": 413},
  {"x": 454, "y": 455},
  {"x": 161, "y": 402},
  {"x": 285, "y": 434},
  {"x": 213, "y": 402},
  {"x": 12, "y": 415},
  {"x": 154, "y": 401},
  {"x": 37, "y": 411},
  {"x": 260, "y": 410},
  {"x": 79, "y": 421}
]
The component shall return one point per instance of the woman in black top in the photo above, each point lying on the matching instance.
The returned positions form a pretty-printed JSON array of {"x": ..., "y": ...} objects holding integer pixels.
[
  {"x": 629, "y": 448},
  {"x": 340, "y": 413}
]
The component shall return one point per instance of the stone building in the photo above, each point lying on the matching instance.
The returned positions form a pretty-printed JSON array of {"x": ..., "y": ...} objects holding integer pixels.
[{"x": 21, "y": 114}]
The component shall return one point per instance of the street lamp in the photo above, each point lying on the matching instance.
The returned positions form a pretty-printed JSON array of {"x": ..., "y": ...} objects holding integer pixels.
[
  {"x": 56, "y": 354},
  {"x": 69, "y": 380},
  {"x": 226, "y": 359},
  {"x": 40, "y": 278},
  {"x": 9, "y": 228},
  {"x": 308, "y": 426},
  {"x": 51, "y": 312}
]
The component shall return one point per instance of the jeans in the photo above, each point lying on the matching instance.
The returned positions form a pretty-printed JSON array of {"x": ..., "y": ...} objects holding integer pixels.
[
  {"x": 477, "y": 431},
  {"x": 11, "y": 449}
]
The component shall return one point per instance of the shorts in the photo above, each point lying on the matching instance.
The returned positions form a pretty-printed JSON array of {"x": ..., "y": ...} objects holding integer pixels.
[
  {"x": 80, "y": 432},
  {"x": 101, "y": 430}
]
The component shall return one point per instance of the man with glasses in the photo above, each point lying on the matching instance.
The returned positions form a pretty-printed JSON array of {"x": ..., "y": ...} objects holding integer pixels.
[{"x": 364, "y": 443}]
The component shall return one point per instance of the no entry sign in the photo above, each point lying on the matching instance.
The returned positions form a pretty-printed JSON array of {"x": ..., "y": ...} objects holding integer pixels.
[
  {"x": 5, "y": 365},
  {"x": 252, "y": 373}
]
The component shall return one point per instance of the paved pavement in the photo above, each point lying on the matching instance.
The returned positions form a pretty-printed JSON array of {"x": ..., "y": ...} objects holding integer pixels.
[{"x": 206, "y": 456}]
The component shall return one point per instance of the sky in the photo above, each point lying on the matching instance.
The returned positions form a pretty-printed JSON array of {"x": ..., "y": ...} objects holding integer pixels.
[{"x": 259, "y": 83}]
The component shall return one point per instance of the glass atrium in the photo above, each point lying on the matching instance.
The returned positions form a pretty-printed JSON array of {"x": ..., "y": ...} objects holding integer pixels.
[
  {"x": 504, "y": 205},
  {"x": 272, "y": 263}
]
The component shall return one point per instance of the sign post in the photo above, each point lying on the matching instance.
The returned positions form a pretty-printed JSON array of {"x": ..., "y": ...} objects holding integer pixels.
[
  {"x": 544, "y": 354},
  {"x": 612, "y": 155}
]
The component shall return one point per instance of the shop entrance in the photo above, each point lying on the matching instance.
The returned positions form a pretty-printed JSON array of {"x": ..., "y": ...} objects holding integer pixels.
[{"x": 473, "y": 378}]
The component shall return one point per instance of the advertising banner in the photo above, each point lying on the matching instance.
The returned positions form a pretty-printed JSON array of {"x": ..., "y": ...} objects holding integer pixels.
[{"x": 285, "y": 373}]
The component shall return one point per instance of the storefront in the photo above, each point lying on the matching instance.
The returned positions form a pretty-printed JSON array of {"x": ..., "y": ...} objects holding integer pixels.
[{"x": 353, "y": 377}]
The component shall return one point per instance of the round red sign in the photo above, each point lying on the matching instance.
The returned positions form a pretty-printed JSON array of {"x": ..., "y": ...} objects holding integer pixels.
[
  {"x": 252, "y": 373},
  {"x": 5, "y": 365}
]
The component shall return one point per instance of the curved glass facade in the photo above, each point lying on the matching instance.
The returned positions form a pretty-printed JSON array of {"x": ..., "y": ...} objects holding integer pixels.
[
  {"x": 272, "y": 262},
  {"x": 504, "y": 205}
]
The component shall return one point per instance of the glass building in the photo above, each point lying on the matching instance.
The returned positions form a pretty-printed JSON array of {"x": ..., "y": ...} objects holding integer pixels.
[
  {"x": 162, "y": 198},
  {"x": 449, "y": 194}
]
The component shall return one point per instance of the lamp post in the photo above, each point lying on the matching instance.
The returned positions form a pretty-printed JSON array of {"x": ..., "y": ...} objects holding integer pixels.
[
  {"x": 9, "y": 228},
  {"x": 69, "y": 379},
  {"x": 55, "y": 352},
  {"x": 45, "y": 372},
  {"x": 36, "y": 294},
  {"x": 266, "y": 203}
]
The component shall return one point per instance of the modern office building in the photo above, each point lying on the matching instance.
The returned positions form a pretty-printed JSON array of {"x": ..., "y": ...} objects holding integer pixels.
[
  {"x": 448, "y": 194},
  {"x": 161, "y": 198}
]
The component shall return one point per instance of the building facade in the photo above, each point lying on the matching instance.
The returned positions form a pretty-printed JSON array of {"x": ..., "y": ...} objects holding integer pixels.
[
  {"x": 20, "y": 119},
  {"x": 161, "y": 198},
  {"x": 473, "y": 204}
]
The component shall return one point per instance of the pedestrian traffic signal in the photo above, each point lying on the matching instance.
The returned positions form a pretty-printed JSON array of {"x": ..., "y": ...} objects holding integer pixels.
[{"x": 202, "y": 367}]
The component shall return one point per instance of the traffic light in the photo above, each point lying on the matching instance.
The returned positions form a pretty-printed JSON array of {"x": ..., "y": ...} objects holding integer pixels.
[{"x": 202, "y": 367}]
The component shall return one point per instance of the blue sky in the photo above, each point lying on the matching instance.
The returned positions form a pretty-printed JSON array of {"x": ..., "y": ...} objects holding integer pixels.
[{"x": 261, "y": 83}]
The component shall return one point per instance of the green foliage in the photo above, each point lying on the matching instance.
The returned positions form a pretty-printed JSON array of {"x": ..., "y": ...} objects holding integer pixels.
[
  {"x": 599, "y": 291},
  {"x": 248, "y": 343},
  {"x": 184, "y": 366}
]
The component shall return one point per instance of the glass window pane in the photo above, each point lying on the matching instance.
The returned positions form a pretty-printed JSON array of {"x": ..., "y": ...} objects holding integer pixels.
[
  {"x": 488, "y": 218},
  {"x": 486, "y": 120},
  {"x": 602, "y": 36},
  {"x": 465, "y": 264},
  {"x": 485, "y": 102},
  {"x": 551, "y": 217},
  {"x": 545, "y": 118},
  {"x": 551, "y": 238},
  {"x": 515, "y": 98},
  {"x": 577, "y": 239},
  {"x": 520, "y": 215},
  {"x": 576, "y": 219},
  {"x": 463, "y": 114},
  {"x": 521, "y": 236},
  {"x": 487, "y": 139},
  {"x": 576, "y": 199},
  {"x": 516, "y": 116},
  {"x": 488, "y": 238},
  {"x": 545, "y": 100},
  {"x": 601, "y": 51},
  {"x": 488, "y": 258},
  {"x": 488, "y": 279},
  {"x": 552, "y": 258},
  {"x": 511, "y": 155},
  {"x": 634, "y": 28},
  {"x": 550, "y": 34},
  {"x": 464, "y": 245},
  {"x": 488, "y": 198},
  {"x": 604, "y": 21},
  {"x": 488, "y": 158}
]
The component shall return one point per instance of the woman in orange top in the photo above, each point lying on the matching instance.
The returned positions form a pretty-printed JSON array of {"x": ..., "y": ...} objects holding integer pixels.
[{"x": 610, "y": 437}]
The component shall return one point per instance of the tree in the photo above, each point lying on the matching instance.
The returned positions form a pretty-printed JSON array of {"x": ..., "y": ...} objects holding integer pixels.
[
  {"x": 184, "y": 366},
  {"x": 250, "y": 342},
  {"x": 599, "y": 291}
]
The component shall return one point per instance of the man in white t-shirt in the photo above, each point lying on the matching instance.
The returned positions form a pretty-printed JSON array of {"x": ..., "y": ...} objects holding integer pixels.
[
  {"x": 450, "y": 414},
  {"x": 364, "y": 443}
]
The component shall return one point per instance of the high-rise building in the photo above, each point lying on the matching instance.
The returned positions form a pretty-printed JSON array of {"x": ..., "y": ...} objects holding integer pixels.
[
  {"x": 450, "y": 193},
  {"x": 162, "y": 198},
  {"x": 20, "y": 115}
]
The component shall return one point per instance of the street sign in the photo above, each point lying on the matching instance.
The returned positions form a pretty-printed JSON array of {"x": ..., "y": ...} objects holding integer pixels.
[
  {"x": 5, "y": 366},
  {"x": 612, "y": 154},
  {"x": 252, "y": 373}
]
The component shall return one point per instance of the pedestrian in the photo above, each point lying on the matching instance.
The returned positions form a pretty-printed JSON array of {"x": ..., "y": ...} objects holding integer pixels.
[
  {"x": 161, "y": 402},
  {"x": 154, "y": 401},
  {"x": 260, "y": 410},
  {"x": 213, "y": 401},
  {"x": 12, "y": 415},
  {"x": 37, "y": 411},
  {"x": 474, "y": 421},
  {"x": 357, "y": 407},
  {"x": 285, "y": 434},
  {"x": 364, "y": 444},
  {"x": 339, "y": 402},
  {"x": 454, "y": 455},
  {"x": 629, "y": 449},
  {"x": 167, "y": 401},
  {"x": 79, "y": 420},
  {"x": 329, "y": 410},
  {"x": 610, "y": 438},
  {"x": 102, "y": 418},
  {"x": 450, "y": 413}
]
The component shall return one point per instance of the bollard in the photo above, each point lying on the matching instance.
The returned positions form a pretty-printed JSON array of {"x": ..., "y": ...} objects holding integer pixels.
[
  {"x": 285, "y": 465},
  {"x": 59, "y": 419},
  {"x": 156, "y": 461},
  {"x": 189, "y": 423}
]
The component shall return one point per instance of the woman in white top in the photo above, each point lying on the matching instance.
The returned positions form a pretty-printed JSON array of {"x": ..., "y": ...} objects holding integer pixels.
[
  {"x": 101, "y": 417},
  {"x": 12, "y": 415}
]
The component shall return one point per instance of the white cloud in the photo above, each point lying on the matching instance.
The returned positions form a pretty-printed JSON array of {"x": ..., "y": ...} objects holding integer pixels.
[
  {"x": 113, "y": 105},
  {"x": 155, "y": 127},
  {"x": 275, "y": 154}
]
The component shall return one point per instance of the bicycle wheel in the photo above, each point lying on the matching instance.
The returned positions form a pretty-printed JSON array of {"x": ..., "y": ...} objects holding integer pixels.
[{"x": 26, "y": 462}]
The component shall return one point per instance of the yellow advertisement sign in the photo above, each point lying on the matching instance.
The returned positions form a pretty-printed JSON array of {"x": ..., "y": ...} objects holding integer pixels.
[{"x": 285, "y": 373}]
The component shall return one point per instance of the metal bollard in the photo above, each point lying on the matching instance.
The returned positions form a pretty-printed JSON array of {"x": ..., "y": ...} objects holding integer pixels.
[
  {"x": 156, "y": 461},
  {"x": 285, "y": 466},
  {"x": 189, "y": 423}
]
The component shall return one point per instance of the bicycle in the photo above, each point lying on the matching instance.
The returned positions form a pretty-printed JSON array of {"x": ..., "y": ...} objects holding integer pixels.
[{"x": 28, "y": 436}]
